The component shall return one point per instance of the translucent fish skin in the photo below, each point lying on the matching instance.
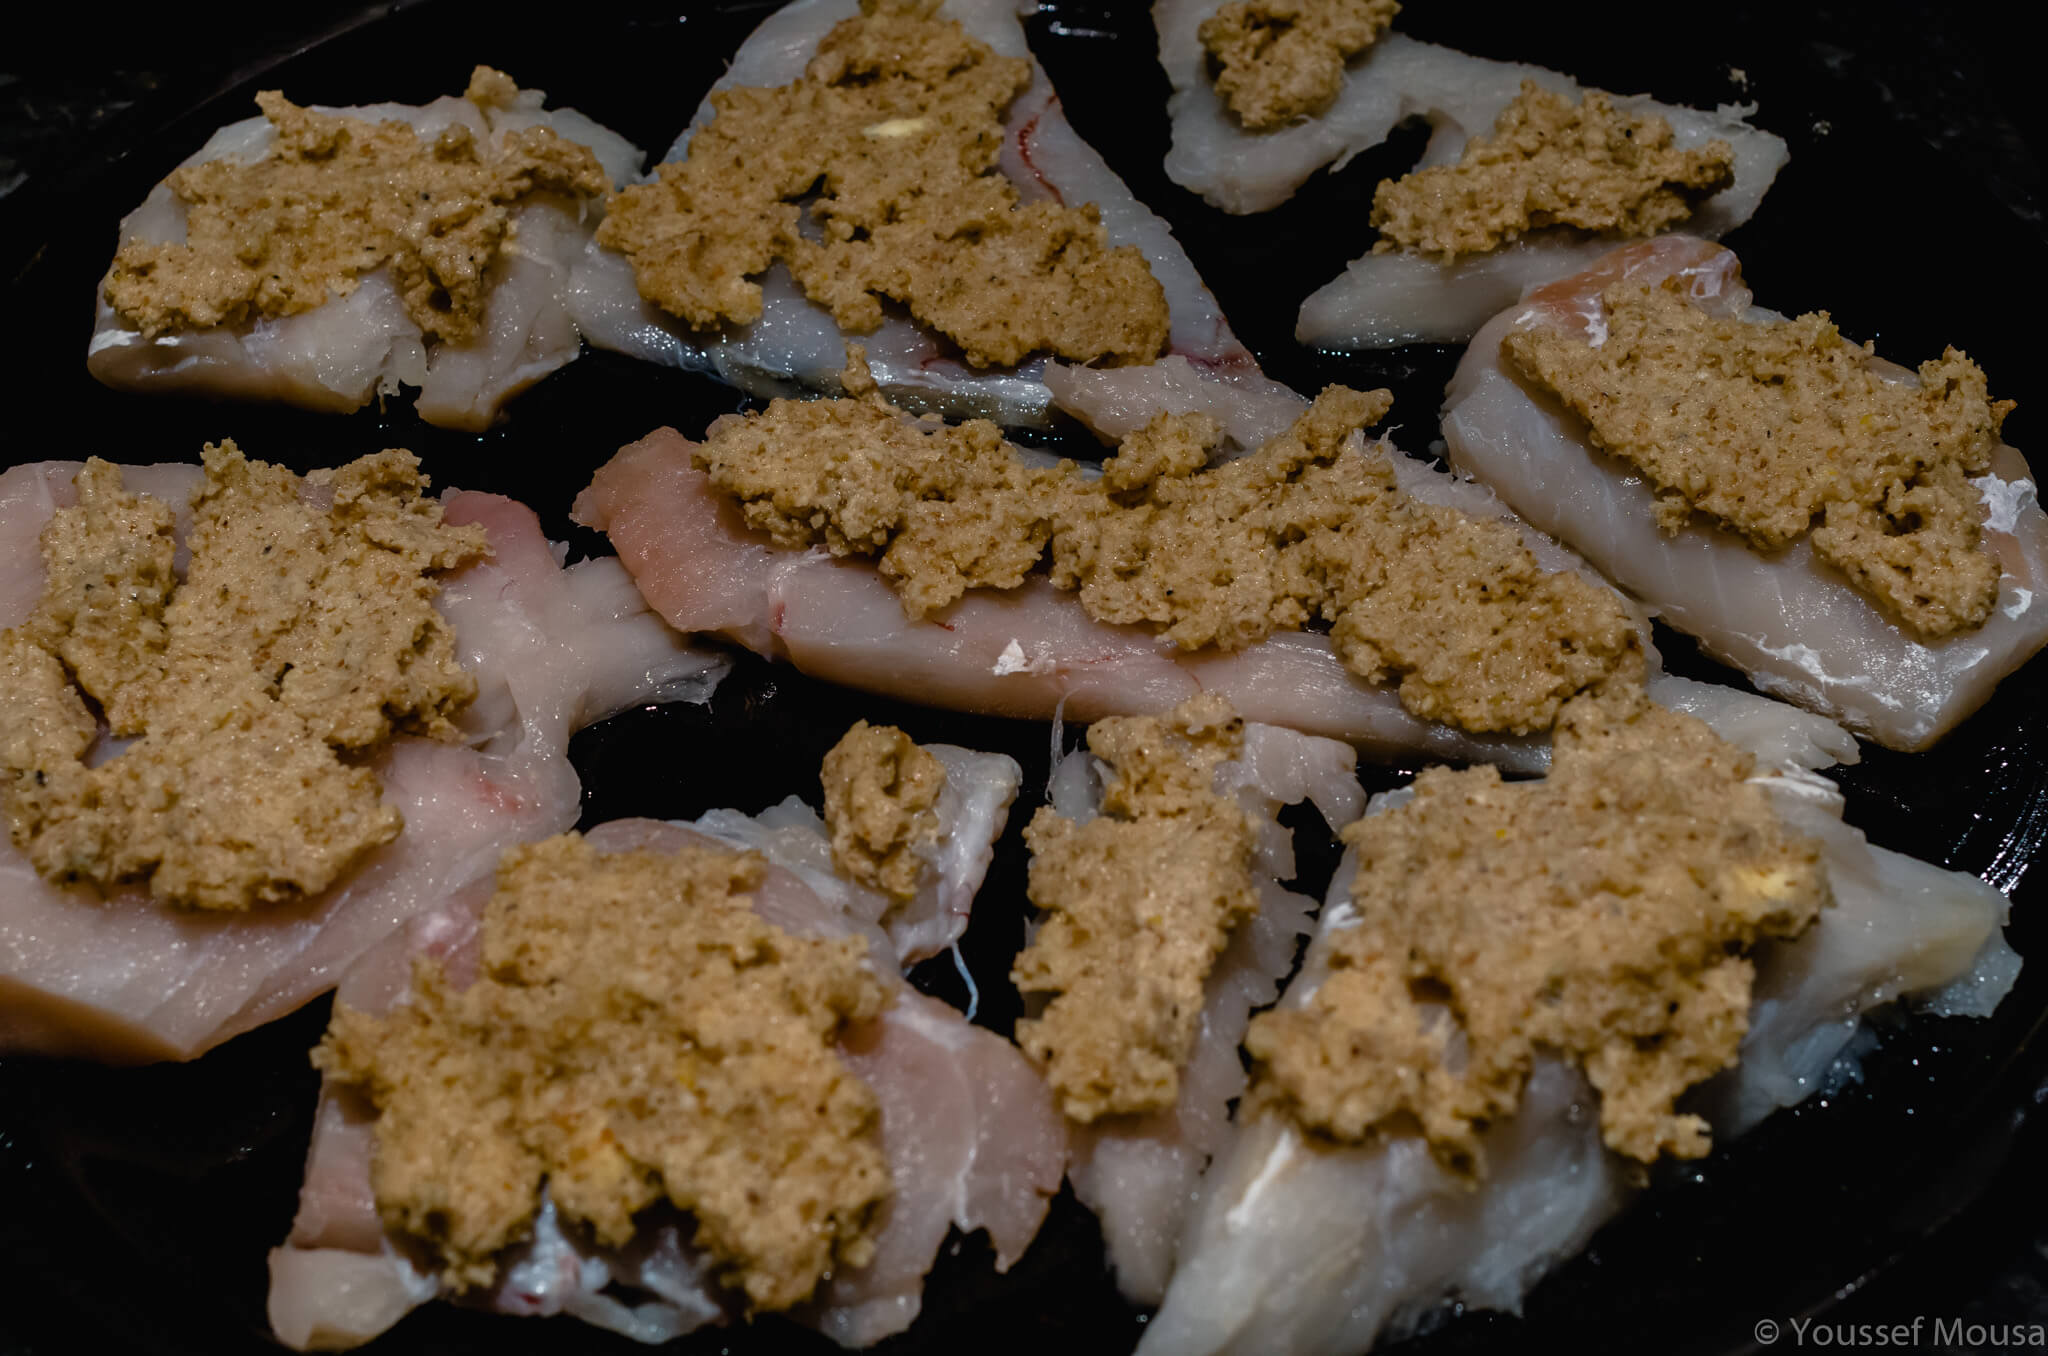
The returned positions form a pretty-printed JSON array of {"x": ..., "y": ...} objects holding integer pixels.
[
  {"x": 339, "y": 355},
  {"x": 124, "y": 979},
  {"x": 1141, "y": 1174},
  {"x": 797, "y": 346},
  {"x": 1301, "y": 1248},
  {"x": 1792, "y": 624},
  {"x": 971, "y": 1134}
]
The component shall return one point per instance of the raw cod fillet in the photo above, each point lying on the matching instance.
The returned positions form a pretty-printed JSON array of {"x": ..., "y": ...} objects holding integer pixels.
[
  {"x": 125, "y": 979},
  {"x": 1029, "y": 652},
  {"x": 796, "y": 345},
  {"x": 1298, "y": 1248},
  {"x": 1140, "y": 1175},
  {"x": 1033, "y": 652},
  {"x": 973, "y": 808},
  {"x": 338, "y": 356},
  {"x": 1794, "y": 625},
  {"x": 970, "y": 1131},
  {"x": 1385, "y": 300}
]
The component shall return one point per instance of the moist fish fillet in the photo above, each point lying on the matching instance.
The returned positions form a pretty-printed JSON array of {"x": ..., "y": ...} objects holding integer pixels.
[{"x": 126, "y": 979}]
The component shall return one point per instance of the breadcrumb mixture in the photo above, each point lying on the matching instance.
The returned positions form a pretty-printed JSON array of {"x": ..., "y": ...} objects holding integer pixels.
[
  {"x": 1601, "y": 914},
  {"x": 1277, "y": 61},
  {"x": 1139, "y": 902},
  {"x": 304, "y": 629},
  {"x": 336, "y": 198},
  {"x": 881, "y": 791},
  {"x": 636, "y": 1033},
  {"x": 943, "y": 508},
  {"x": 1776, "y": 429},
  {"x": 1551, "y": 162},
  {"x": 1451, "y": 607},
  {"x": 896, "y": 128}
]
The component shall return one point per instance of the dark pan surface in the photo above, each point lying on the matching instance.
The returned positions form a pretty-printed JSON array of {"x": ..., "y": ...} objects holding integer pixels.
[{"x": 139, "y": 1204}]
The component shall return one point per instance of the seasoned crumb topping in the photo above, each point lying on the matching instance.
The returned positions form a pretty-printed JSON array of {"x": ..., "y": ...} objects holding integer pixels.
[
  {"x": 1279, "y": 60},
  {"x": 942, "y": 508},
  {"x": 1600, "y": 914},
  {"x": 880, "y": 794},
  {"x": 1139, "y": 902},
  {"x": 1452, "y": 608},
  {"x": 636, "y": 1033},
  {"x": 336, "y": 198},
  {"x": 896, "y": 127},
  {"x": 299, "y": 632},
  {"x": 1775, "y": 429},
  {"x": 1551, "y": 162}
]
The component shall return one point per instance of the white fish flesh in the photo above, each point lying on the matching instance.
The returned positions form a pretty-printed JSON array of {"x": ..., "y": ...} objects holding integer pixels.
[
  {"x": 1395, "y": 79},
  {"x": 1402, "y": 297},
  {"x": 1033, "y": 652},
  {"x": 1029, "y": 652},
  {"x": 796, "y": 345},
  {"x": 1794, "y": 625},
  {"x": 1140, "y": 1174},
  {"x": 971, "y": 1134},
  {"x": 972, "y": 809},
  {"x": 1301, "y": 1248},
  {"x": 339, "y": 355},
  {"x": 1385, "y": 300},
  {"x": 125, "y": 979}
]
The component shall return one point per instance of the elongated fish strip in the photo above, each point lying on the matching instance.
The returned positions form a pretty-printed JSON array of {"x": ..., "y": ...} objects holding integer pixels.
[
  {"x": 1795, "y": 626},
  {"x": 1033, "y": 652},
  {"x": 1301, "y": 1248},
  {"x": 970, "y": 1132},
  {"x": 125, "y": 979},
  {"x": 339, "y": 355},
  {"x": 1140, "y": 1174},
  {"x": 1028, "y": 652},
  {"x": 796, "y": 345}
]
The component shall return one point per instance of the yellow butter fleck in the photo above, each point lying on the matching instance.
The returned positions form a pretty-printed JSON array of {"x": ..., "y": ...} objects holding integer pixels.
[{"x": 897, "y": 127}]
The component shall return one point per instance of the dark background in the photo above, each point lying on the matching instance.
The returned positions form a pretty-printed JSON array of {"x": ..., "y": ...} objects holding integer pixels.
[{"x": 136, "y": 1205}]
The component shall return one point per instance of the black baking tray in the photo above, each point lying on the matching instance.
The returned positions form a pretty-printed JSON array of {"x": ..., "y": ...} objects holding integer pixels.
[{"x": 136, "y": 1206}]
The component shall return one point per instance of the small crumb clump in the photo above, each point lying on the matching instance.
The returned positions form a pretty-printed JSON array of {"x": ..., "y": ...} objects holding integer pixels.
[
  {"x": 1139, "y": 903},
  {"x": 1453, "y": 608},
  {"x": 895, "y": 128},
  {"x": 336, "y": 198},
  {"x": 1551, "y": 162},
  {"x": 881, "y": 791},
  {"x": 302, "y": 631},
  {"x": 636, "y": 1033},
  {"x": 1777, "y": 430},
  {"x": 1600, "y": 914},
  {"x": 1278, "y": 61}
]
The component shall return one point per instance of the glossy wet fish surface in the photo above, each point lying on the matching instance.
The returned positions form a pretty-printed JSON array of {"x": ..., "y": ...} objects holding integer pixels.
[{"x": 180, "y": 1178}]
